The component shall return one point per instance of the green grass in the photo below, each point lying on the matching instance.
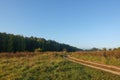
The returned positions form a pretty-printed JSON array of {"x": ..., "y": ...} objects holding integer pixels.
[
  {"x": 49, "y": 66},
  {"x": 98, "y": 57}
]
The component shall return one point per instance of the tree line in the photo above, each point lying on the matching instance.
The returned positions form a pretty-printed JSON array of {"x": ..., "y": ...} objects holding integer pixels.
[
  {"x": 19, "y": 43},
  {"x": 103, "y": 49}
]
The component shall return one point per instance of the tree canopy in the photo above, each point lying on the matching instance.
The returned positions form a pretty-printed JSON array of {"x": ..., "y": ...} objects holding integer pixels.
[{"x": 18, "y": 43}]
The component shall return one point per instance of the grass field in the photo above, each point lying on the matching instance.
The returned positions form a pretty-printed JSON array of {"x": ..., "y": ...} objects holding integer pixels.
[
  {"x": 47, "y": 66},
  {"x": 110, "y": 58}
]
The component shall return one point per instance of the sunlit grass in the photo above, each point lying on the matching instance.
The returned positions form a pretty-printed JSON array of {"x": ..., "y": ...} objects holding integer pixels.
[
  {"x": 98, "y": 57},
  {"x": 48, "y": 66}
]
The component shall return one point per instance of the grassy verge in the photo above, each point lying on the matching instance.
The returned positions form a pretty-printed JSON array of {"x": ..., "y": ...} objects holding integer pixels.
[
  {"x": 98, "y": 57},
  {"x": 48, "y": 66}
]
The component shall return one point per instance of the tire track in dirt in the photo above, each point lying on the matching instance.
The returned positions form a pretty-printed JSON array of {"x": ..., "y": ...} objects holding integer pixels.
[{"x": 103, "y": 67}]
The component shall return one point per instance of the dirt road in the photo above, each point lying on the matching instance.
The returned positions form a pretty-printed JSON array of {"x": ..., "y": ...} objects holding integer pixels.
[{"x": 103, "y": 67}]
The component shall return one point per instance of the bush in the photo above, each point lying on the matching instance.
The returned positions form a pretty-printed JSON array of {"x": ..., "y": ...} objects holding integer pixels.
[{"x": 38, "y": 50}]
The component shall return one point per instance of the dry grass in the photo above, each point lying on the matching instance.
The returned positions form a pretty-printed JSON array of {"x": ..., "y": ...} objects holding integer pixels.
[
  {"x": 46, "y": 66},
  {"x": 105, "y": 57}
]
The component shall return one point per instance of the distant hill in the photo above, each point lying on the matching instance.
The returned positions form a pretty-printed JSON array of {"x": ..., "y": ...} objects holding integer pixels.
[{"x": 19, "y": 43}]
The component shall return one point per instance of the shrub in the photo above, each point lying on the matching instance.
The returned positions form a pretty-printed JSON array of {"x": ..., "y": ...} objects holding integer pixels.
[{"x": 38, "y": 50}]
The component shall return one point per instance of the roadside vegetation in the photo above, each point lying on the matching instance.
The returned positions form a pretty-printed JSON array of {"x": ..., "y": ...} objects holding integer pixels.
[
  {"x": 110, "y": 57},
  {"x": 47, "y": 66}
]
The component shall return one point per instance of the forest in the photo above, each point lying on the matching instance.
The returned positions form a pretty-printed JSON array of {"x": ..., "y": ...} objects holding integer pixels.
[{"x": 19, "y": 43}]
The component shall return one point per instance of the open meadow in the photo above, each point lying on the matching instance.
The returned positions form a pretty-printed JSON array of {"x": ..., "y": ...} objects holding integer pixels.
[
  {"x": 47, "y": 66},
  {"x": 59, "y": 40},
  {"x": 104, "y": 57}
]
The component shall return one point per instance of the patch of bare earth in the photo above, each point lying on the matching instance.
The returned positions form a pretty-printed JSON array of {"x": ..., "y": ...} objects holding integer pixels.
[{"x": 103, "y": 67}]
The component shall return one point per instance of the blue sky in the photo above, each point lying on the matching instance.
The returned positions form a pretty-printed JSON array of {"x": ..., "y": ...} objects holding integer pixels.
[{"x": 80, "y": 23}]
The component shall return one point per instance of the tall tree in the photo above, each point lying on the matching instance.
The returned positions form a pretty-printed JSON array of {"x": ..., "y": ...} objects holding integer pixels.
[{"x": 14, "y": 43}]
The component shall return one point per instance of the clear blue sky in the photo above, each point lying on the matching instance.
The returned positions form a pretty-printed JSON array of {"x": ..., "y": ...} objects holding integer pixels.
[{"x": 80, "y": 23}]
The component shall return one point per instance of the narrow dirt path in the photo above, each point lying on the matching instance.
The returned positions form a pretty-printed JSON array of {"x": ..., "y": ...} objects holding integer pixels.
[{"x": 103, "y": 67}]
